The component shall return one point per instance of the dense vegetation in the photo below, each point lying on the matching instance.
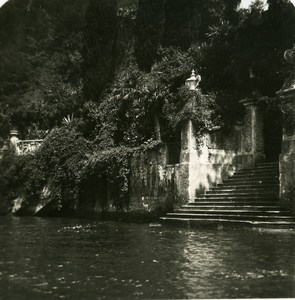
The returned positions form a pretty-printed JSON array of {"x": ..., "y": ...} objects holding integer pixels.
[{"x": 118, "y": 67}]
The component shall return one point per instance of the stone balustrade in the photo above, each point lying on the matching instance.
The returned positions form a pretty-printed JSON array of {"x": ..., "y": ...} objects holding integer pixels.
[{"x": 23, "y": 147}]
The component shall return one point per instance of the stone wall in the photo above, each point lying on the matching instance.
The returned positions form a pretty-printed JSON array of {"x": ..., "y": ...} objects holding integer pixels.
[
  {"x": 154, "y": 184},
  {"x": 155, "y": 187},
  {"x": 212, "y": 158}
]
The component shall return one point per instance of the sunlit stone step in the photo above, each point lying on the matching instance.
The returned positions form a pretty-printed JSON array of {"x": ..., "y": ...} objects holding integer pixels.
[
  {"x": 249, "y": 182},
  {"x": 255, "y": 184},
  {"x": 235, "y": 211},
  {"x": 261, "y": 168},
  {"x": 255, "y": 176},
  {"x": 243, "y": 189},
  {"x": 222, "y": 222},
  {"x": 249, "y": 179},
  {"x": 231, "y": 216},
  {"x": 256, "y": 173},
  {"x": 241, "y": 193},
  {"x": 234, "y": 202},
  {"x": 249, "y": 197},
  {"x": 238, "y": 197},
  {"x": 231, "y": 206}
]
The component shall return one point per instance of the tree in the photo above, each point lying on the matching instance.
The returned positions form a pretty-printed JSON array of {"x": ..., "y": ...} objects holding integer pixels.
[
  {"x": 149, "y": 29},
  {"x": 181, "y": 23},
  {"x": 99, "y": 50}
]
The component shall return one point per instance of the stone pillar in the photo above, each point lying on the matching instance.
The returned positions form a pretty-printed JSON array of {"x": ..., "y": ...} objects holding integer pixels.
[
  {"x": 14, "y": 140},
  {"x": 185, "y": 156},
  {"x": 287, "y": 156},
  {"x": 252, "y": 150}
]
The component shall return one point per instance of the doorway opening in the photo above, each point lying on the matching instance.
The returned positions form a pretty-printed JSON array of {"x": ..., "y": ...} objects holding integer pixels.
[
  {"x": 272, "y": 134},
  {"x": 174, "y": 147}
]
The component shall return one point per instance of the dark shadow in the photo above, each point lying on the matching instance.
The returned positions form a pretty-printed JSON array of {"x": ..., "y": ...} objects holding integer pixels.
[
  {"x": 272, "y": 134},
  {"x": 174, "y": 148}
]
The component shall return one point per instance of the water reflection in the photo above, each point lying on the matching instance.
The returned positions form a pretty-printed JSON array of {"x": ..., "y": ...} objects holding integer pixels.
[{"x": 84, "y": 259}]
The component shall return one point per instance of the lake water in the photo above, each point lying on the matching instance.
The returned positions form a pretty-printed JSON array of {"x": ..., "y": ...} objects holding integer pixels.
[{"x": 53, "y": 258}]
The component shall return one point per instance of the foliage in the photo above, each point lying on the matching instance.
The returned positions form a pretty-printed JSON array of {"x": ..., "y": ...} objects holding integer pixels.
[
  {"x": 181, "y": 23},
  {"x": 201, "y": 109},
  {"x": 40, "y": 63},
  {"x": 139, "y": 104},
  {"x": 149, "y": 31},
  {"x": 259, "y": 70},
  {"x": 99, "y": 46},
  {"x": 113, "y": 166},
  {"x": 60, "y": 160},
  {"x": 41, "y": 75}
]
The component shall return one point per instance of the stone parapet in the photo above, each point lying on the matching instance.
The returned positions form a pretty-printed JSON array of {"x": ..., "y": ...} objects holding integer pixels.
[{"x": 22, "y": 147}]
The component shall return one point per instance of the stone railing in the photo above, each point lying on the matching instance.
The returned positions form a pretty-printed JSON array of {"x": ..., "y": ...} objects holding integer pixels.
[{"x": 23, "y": 147}]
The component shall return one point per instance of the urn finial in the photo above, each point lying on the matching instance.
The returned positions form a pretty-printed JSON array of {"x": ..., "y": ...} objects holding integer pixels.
[
  {"x": 289, "y": 84},
  {"x": 193, "y": 82}
]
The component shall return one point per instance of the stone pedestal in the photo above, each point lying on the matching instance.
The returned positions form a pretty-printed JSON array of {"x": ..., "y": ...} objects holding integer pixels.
[
  {"x": 252, "y": 150},
  {"x": 14, "y": 140},
  {"x": 187, "y": 139}
]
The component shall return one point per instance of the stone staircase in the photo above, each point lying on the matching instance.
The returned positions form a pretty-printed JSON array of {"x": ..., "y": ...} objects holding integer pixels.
[{"x": 249, "y": 197}]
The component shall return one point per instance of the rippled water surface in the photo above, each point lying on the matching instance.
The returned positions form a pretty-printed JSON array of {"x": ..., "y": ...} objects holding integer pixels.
[{"x": 84, "y": 259}]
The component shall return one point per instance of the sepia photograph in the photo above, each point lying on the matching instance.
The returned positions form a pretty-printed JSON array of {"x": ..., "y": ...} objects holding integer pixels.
[{"x": 147, "y": 149}]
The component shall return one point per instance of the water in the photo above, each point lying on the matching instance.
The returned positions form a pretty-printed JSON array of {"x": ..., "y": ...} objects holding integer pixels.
[{"x": 54, "y": 258}]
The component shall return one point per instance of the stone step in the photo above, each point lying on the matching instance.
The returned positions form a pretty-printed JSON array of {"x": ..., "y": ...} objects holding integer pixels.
[
  {"x": 241, "y": 193},
  {"x": 262, "y": 167},
  {"x": 258, "y": 171},
  {"x": 243, "y": 212},
  {"x": 247, "y": 181},
  {"x": 248, "y": 197},
  {"x": 224, "y": 222},
  {"x": 237, "y": 197},
  {"x": 233, "y": 206},
  {"x": 245, "y": 186},
  {"x": 272, "y": 163},
  {"x": 232, "y": 202},
  {"x": 231, "y": 216},
  {"x": 242, "y": 189},
  {"x": 254, "y": 175}
]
